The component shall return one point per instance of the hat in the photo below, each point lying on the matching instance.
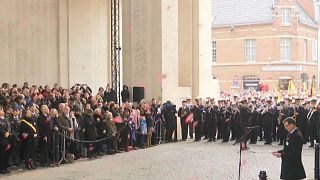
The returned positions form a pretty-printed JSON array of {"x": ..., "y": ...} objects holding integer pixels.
[{"x": 313, "y": 101}]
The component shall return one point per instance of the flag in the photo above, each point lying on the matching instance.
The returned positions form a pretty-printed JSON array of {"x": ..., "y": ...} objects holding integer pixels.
[
  {"x": 304, "y": 86},
  {"x": 292, "y": 88},
  {"x": 275, "y": 89},
  {"x": 313, "y": 92},
  {"x": 189, "y": 118},
  {"x": 118, "y": 119}
]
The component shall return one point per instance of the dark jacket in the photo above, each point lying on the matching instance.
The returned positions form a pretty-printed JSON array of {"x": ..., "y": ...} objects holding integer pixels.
[
  {"x": 125, "y": 95},
  {"x": 30, "y": 130},
  {"x": 15, "y": 127},
  {"x": 268, "y": 118},
  {"x": 45, "y": 125},
  {"x": 292, "y": 167},
  {"x": 4, "y": 127},
  {"x": 90, "y": 126}
]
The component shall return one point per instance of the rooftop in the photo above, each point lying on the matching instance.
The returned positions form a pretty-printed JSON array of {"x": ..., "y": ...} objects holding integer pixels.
[{"x": 244, "y": 12}]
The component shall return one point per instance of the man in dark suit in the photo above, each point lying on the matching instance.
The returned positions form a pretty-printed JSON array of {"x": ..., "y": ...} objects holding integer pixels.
[
  {"x": 291, "y": 167},
  {"x": 211, "y": 119},
  {"x": 45, "y": 132}
]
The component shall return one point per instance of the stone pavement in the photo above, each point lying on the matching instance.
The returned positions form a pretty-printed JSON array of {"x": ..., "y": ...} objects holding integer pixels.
[{"x": 182, "y": 160}]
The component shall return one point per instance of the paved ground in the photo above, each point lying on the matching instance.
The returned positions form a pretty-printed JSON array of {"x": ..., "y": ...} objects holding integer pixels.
[{"x": 183, "y": 160}]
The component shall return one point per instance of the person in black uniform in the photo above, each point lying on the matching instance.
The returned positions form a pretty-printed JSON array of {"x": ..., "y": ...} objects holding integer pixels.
[
  {"x": 313, "y": 117},
  {"x": 197, "y": 120},
  {"x": 245, "y": 117},
  {"x": 255, "y": 123},
  {"x": 291, "y": 166},
  {"x": 211, "y": 119},
  {"x": 28, "y": 135},
  {"x": 286, "y": 112},
  {"x": 15, "y": 121},
  {"x": 90, "y": 131},
  {"x": 235, "y": 122},
  {"x": 268, "y": 115},
  {"x": 301, "y": 118},
  {"x": 226, "y": 115},
  {"x": 183, "y": 113},
  {"x": 5, "y": 139},
  {"x": 45, "y": 134}
]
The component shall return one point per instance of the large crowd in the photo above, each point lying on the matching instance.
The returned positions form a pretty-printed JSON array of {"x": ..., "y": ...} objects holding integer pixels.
[{"x": 39, "y": 126}]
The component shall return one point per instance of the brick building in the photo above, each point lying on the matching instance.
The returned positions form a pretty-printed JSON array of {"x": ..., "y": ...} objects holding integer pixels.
[{"x": 264, "y": 42}]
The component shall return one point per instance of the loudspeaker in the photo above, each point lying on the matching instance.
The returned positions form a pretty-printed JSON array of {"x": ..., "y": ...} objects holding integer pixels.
[{"x": 138, "y": 94}]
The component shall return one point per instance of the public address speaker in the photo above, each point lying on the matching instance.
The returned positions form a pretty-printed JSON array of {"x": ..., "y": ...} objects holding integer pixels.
[{"x": 138, "y": 94}]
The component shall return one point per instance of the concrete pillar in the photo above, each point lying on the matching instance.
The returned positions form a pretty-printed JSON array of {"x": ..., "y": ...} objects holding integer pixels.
[
  {"x": 89, "y": 47},
  {"x": 142, "y": 45},
  {"x": 63, "y": 42}
]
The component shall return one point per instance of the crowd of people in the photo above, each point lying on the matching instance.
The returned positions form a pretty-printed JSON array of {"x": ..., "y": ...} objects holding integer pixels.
[
  {"x": 40, "y": 125},
  {"x": 254, "y": 116}
]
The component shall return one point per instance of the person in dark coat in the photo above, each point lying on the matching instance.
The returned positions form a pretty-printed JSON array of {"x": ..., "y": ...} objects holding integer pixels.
[
  {"x": 313, "y": 117},
  {"x": 45, "y": 133},
  {"x": 125, "y": 95},
  {"x": 291, "y": 166},
  {"x": 15, "y": 120},
  {"x": 183, "y": 113},
  {"x": 101, "y": 125},
  {"x": 90, "y": 131},
  {"x": 169, "y": 113},
  {"x": 211, "y": 119},
  {"x": 301, "y": 118},
  {"x": 110, "y": 94},
  {"x": 254, "y": 123},
  {"x": 5, "y": 136},
  {"x": 286, "y": 112},
  {"x": 28, "y": 136},
  {"x": 268, "y": 114},
  {"x": 245, "y": 117},
  {"x": 197, "y": 120},
  {"x": 235, "y": 122},
  {"x": 302, "y": 121},
  {"x": 226, "y": 115}
]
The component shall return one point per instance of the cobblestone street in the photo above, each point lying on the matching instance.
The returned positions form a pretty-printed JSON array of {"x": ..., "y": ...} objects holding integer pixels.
[{"x": 182, "y": 160}]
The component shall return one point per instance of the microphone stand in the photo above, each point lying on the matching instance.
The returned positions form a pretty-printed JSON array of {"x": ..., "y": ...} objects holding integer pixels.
[{"x": 242, "y": 140}]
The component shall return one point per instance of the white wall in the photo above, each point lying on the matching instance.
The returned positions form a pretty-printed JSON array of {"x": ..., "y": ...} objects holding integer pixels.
[
  {"x": 89, "y": 42},
  {"x": 170, "y": 83},
  {"x": 28, "y": 41},
  {"x": 49, "y": 41},
  {"x": 208, "y": 87}
]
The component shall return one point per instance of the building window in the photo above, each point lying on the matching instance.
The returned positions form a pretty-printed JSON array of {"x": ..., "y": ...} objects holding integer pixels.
[
  {"x": 250, "y": 51},
  {"x": 214, "y": 51},
  {"x": 314, "y": 50},
  {"x": 284, "y": 82},
  {"x": 305, "y": 49},
  {"x": 285, "y": 49},
  {"x": 286, "y": 16},
  {"x": 317, "y": 9}
]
